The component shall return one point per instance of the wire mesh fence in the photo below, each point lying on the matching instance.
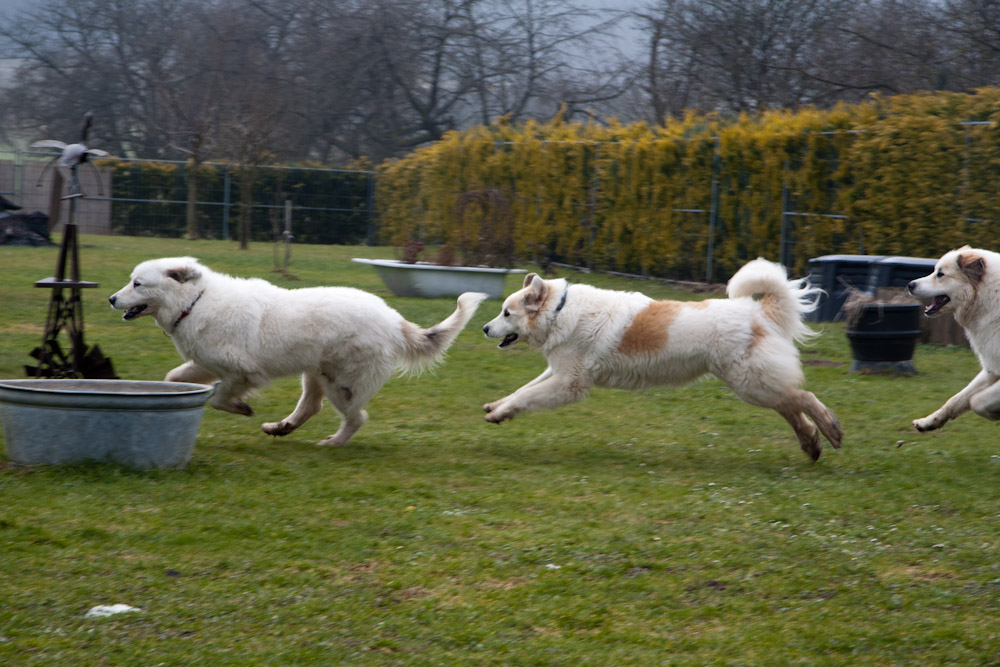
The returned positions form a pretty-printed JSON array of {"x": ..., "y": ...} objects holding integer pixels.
[
  {"x": 693, "y": 218},
  {"x": 150, "y": 198}
]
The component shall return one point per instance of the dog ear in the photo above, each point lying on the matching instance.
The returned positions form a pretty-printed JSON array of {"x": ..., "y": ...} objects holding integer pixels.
[
  {"x": 538, "y": 290},
  {"x": 528, "y": 278},
  {"x": 972, "y": 266},
  {"x": 184, "y": 272}
]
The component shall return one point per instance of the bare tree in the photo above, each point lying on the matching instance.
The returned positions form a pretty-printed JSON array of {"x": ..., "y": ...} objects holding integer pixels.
[
  {"x": 386, "y": 76},
  {"x": 334, "y": 80},
  {"x": 534, "y": 56},
  {"x": 973, "y": 31},
  {"x": 191, "y": 95},
  {"x": 731, "y": 55},
  {"x": 734, "y": 55},
  {"x": 101, "y": 55},
  {"x": 255, "y": 97},
  {"x": 888, "y": 46}
]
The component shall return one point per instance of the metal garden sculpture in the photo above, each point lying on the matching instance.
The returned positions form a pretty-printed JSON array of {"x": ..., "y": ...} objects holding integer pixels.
[{"x": 67, "y": 313}]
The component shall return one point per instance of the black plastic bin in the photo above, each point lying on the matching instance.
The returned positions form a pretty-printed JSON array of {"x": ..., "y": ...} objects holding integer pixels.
[
  {"x": 836, "y": 274},
  {"x": 885, "y": 336},
  {"x": 897, "y": 272}
]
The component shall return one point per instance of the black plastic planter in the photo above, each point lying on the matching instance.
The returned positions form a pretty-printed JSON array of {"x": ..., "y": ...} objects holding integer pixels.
[{"x": 885, "y": 336}]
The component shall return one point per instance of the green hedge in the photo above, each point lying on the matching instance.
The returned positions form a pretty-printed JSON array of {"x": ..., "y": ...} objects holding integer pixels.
[
  {"x": 908, "y": 175},
  {"x": 330, "y": 206}
]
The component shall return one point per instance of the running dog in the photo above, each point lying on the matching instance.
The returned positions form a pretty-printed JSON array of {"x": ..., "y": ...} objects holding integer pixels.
[
  {"x": 967, "y": 283},
  {"x": 595, "y": 337},
  {"x": 344, "y": 342}
]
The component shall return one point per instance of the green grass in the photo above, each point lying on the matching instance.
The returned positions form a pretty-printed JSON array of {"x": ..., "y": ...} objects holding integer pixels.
[{"x": 674, "y": 526}]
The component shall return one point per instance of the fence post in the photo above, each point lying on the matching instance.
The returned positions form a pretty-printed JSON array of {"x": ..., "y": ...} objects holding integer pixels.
[
  {"x": 593, "y": 197},
  {"x": 966, "y": 186},
  {"x": 288, "y": 232},
  {"x": 370, "y": 209},
  {"x": 226, "y": 189},
  {"x": 713, "y": 210},
  {"x": 18, "y": 185},
  {"x": 786, "y": 202}
]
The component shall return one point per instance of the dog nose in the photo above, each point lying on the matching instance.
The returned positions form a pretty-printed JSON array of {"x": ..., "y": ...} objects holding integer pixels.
[
  {"x": 911, "y": 286},
  {"x": 112, "y": 299},
  {"x": 486, "y": 329}
]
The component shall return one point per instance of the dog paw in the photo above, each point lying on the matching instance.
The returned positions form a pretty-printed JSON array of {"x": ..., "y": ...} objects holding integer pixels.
[
  {"x": 333, "y": 441},
  {"x": 837, "y": 433},
  {"x": 925, "y": 424},
  {"x": 496, "y": 416},
  {"x": 812, "y": 446},
  {"x": 242, "y": 408},
  {"x": 235, "y": 406},
  {"x": 277, "y": 428},
  {"x": 490, "y": 407}
]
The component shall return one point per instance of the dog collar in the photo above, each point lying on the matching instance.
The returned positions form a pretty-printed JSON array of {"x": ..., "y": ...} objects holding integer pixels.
[
  {"x": 186, "y": 312},
  {"x": 562, "y": 301}
]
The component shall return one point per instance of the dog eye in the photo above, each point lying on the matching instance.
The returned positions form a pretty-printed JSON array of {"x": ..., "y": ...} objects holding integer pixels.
[
  {"x": 940, "y": 274},
  {"x": 506, "y": 313},
  {"x": 135, "y": 283}
]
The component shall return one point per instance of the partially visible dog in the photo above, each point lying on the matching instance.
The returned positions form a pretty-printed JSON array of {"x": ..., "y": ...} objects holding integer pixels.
[
  {"x": 595, "y": 337},
  {"x": 344, "y": 342},
  {"x": 967, "y": 283}
]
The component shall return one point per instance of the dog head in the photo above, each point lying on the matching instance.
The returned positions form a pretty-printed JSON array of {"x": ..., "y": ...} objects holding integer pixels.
[
  {"x": 954, "y": 282},
  {"x": 159, "y": 286},
  {"x": 521, "y": 319}
]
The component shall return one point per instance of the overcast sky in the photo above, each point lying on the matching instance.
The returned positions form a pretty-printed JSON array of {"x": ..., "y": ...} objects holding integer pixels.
[{"x": 8, "y": 6}]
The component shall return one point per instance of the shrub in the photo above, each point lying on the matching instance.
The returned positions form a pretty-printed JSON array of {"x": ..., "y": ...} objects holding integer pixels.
[{"x": 900, "y": 175}]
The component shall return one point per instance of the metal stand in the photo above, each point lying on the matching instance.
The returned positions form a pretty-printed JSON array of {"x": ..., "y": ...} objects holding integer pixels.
[{"x": 78, "y": 361}]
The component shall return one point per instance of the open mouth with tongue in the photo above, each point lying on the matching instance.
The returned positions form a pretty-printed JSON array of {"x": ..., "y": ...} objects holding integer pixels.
[
  {"x": 509, "y": 339},
  {"x": 937, "y": 303},
  {"x": 134, "y": 312}
]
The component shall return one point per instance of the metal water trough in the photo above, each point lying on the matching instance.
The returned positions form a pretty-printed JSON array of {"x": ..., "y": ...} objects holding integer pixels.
[{"x": 137, "y": 424}]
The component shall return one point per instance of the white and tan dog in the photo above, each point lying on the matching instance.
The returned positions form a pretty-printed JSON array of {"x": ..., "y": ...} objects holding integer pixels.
[
  {"x": 595, "y": 337},
  {"x": 967, "y": 283},
  {"x": 344, "y": 342}
]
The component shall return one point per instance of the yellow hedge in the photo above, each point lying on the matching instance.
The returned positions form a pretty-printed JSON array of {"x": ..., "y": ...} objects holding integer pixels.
[{"x": 912, "y": 175}]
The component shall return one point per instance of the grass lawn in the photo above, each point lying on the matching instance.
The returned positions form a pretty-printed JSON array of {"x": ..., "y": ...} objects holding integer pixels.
[{"x": 667, "y": 526}]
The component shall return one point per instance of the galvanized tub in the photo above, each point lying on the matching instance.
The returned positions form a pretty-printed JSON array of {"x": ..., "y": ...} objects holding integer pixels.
[
  {"x": 138, "y": 424},
  {"x": 433, "y": 280}
]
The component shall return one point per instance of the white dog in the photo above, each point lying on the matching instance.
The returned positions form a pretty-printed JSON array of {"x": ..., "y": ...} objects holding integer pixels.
[
  {"x": 599, "y": 337},
  {"x": 346, "y": 343},
  {"x": 967, "y": 282}
]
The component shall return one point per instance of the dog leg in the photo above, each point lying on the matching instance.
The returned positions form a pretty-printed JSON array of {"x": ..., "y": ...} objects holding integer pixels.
[
  {"x": 351, "y": 408},
  {"x": 796, "y": 406},
  {"x": 309, "y": 404},
  {"x": 349, "y": 393},
  {"x": 987, "y": 402},
  {"x": 190, "y": 372},
  {"x": 794, "y": 409},
  {"x": 228, "y": 397},
  {"x": 546, "y": 374},
  {"x": 805, "y": 431},
  {"x": 959, "y": 403},
  {"x": 552, "y": 392},
  {"x": 828, "y": 423},
  {"x": 348, "y": 427}
]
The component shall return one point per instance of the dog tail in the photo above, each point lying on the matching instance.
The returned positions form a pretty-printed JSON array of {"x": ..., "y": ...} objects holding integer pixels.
[
  {"x": 785, "y": 301},
  {"x": 425, "y": 347}
]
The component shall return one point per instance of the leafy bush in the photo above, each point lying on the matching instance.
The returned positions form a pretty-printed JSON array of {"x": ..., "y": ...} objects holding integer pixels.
[
  {"x": 331, "y": 206},
  {"x": 903, "y": 175}
]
